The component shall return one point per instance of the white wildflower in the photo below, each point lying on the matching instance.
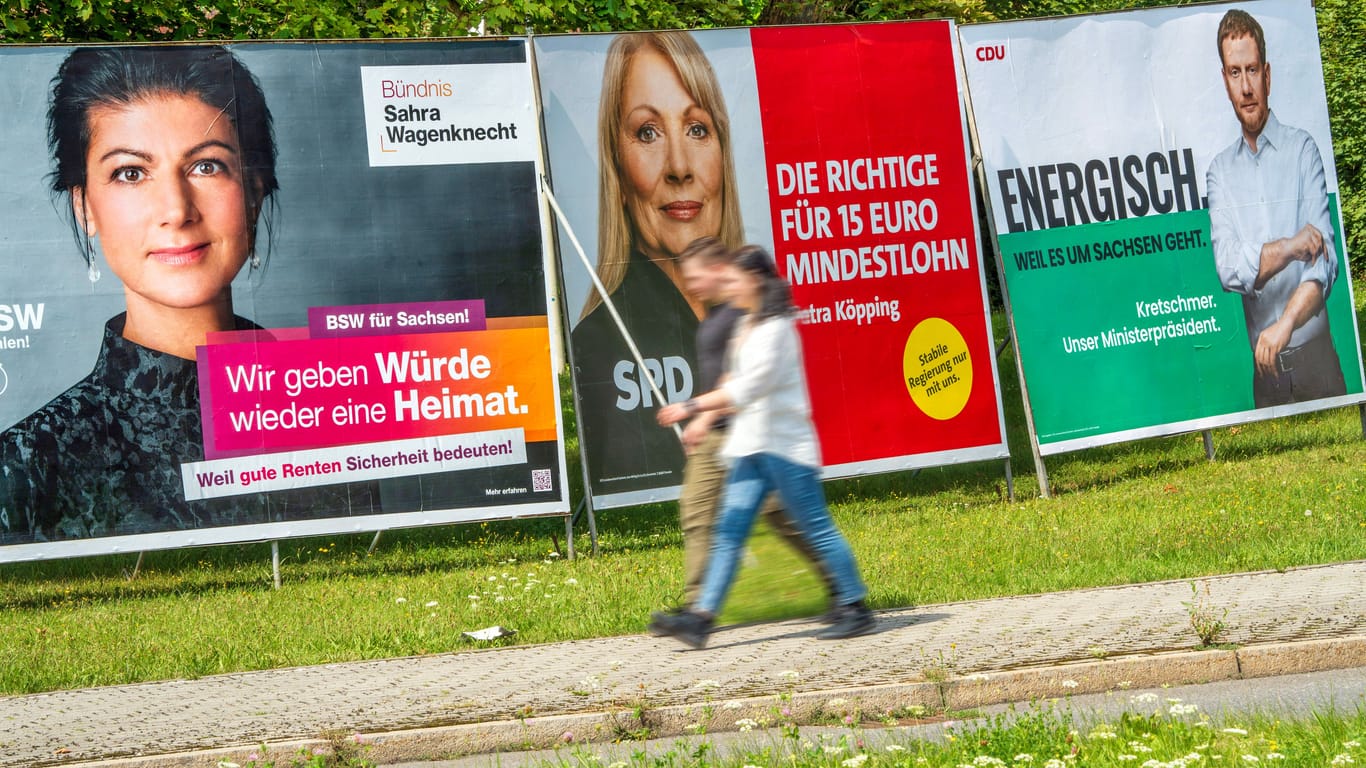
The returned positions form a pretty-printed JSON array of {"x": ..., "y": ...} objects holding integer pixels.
[
  {"x": 1342, "y": 759},
  {"x": 836, "y": 703},
  {"x": 1351, "y": 744},
  {"x": 571, "y": 581},
  {"x": 1236, "y": 731},
  {"x": 400, "y": 600},
  {"x": 856, "y": 760},
  {"x": 731, "y": 705},
  {"x": 1143, "y": 698},
  {"x": 707, "y": 685},
  {"x": 895, "y": 748},
  {"x": 1024, "y": 758},
  {"x": 431, "y": 604},
  {"x": 1127, "y": 758},
  {"x": 1069, "y": 683},
  {"x": 1274, "y": 756},
  {"x": 746, "y": 725},
  {"x": 1251, "y": 759}
]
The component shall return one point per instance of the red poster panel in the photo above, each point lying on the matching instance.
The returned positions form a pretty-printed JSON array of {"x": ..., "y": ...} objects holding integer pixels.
[{"x": 874, "y": 225}]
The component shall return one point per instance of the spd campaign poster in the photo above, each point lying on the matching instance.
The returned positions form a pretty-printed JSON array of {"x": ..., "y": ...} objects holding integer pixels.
[
  {"x": 1164, "y": 196},
  {"x": 841, "y": 150},
  {"x": 266, "y": 290}
]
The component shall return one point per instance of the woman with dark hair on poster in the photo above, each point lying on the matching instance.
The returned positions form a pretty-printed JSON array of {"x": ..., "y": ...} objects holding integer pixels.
[
  {"x": 772, "y": 446},
  {"x": 165, "y": 158}
]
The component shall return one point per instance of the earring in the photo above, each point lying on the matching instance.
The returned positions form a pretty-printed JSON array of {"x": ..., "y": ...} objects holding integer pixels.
[
  {"x": 93, "y": 270},
  {"x": 256, "y": 261}
]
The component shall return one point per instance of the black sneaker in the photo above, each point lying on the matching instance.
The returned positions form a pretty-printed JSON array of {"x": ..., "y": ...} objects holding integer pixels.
[
  {"x": 656, "y": 616},
  {"x": 687, "y": 627},
  {"x": 855, "y": 619}
]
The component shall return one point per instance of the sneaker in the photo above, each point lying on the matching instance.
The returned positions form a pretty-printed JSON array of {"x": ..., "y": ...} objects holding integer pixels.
[
  {"x": 657, "y": 616},
  {"x": 855, "y": 619},
  {"x": 687, "y": 627}
]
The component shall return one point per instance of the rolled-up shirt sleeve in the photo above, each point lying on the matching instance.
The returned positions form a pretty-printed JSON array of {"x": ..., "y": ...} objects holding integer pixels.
[
  {"x": 1314, "y": 210},
  {"x": 1237, "y": 260}
]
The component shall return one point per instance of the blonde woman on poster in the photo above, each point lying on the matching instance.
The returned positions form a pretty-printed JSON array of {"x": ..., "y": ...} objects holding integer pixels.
[{"x": 666, "y": 177}]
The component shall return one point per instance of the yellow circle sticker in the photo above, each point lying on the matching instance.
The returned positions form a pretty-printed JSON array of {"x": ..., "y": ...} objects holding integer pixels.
[{"x": 938, "y": 368}]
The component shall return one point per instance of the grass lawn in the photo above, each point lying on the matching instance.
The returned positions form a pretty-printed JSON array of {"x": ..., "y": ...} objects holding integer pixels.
[
  {"x": 1281, "y": 493},
  {"x": 1153, "y": 733}
]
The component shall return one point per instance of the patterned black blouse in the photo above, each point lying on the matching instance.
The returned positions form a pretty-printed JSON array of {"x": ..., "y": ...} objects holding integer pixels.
[{"x": 103, "y": 458}]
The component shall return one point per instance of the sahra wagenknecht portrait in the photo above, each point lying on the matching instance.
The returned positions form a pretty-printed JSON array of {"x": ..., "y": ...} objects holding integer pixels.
[{"x": 177, "y": 203}]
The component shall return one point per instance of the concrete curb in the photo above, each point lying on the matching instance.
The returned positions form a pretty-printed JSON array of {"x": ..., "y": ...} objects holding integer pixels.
[{"x": 955, "y": 692}]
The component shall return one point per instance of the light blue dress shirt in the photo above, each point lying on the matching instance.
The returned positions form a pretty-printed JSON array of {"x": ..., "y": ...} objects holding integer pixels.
[{"x": 1257, "y": 197}]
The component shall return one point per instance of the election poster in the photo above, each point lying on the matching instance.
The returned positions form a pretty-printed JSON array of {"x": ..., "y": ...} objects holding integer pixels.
[
  {"x": 257, "y": 291},
  {"x": 839, "y": 149},
  {"x": 1167, "y": 218}
]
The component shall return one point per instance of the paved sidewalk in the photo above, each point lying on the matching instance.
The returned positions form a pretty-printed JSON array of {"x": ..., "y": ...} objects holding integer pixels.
[{"x": 1117, "y": 633}]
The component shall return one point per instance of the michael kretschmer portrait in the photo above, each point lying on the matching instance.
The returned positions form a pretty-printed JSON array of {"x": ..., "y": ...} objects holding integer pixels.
[
  {"x": 164, "y": 161},
  {"x": 1272, "y": 231},
  {"x": 666, "y": 177}
]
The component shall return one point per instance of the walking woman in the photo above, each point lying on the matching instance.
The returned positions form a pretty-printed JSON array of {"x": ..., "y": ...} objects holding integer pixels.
[{"x": 772, "y": 447}]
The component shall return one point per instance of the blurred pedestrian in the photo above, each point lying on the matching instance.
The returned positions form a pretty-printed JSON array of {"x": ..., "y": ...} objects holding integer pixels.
[
  {"x": 772, "y": 446},
  {"x": 705, "y": 264}
]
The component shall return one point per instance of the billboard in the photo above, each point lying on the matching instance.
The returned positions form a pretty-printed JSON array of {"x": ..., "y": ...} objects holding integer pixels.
[
  {"x": 270, "y": 290},
  {"x": 1167, "y": 216},
  {"x": 841, "y": 149}
]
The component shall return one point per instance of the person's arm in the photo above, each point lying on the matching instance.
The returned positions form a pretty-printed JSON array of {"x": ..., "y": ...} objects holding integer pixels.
[
  {"x": 1246, "y": 267},
  {"x": 697, "y": 429},
  {"x": 1304, "y": 303},
  {"x": 759, "y": 365},
  {"x": 1238, "y": 263},
  {"x": 715, "y": 400},
  {"x": 1317, "y": 223}
]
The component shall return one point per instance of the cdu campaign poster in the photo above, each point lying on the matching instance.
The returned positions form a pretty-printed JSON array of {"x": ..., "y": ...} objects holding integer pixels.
[{"x": 1164, "y": 196}]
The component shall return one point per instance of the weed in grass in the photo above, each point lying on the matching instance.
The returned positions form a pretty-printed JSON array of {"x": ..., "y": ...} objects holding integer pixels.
[
  {"x": 342, "y": 751},
  {"x": 1206, "y": 620}
]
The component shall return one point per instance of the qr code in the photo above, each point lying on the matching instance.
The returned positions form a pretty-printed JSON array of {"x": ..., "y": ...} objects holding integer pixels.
[{"x": 541, "y": 480}]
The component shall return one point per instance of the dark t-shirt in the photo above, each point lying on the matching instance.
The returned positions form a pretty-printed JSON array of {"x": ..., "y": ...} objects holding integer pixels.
[{"x": 713, "y": 339}]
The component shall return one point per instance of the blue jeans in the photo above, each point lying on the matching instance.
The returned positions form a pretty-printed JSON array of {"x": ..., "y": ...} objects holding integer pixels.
[{"x": 751, "y": 479}]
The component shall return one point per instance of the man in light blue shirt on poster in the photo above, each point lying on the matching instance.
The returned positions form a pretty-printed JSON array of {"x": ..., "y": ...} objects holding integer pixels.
[{"x": 1271, "y": 230}]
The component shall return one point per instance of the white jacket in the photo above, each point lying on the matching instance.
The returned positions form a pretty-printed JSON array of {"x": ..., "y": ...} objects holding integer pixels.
[{"x": 767, "y": 387}]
